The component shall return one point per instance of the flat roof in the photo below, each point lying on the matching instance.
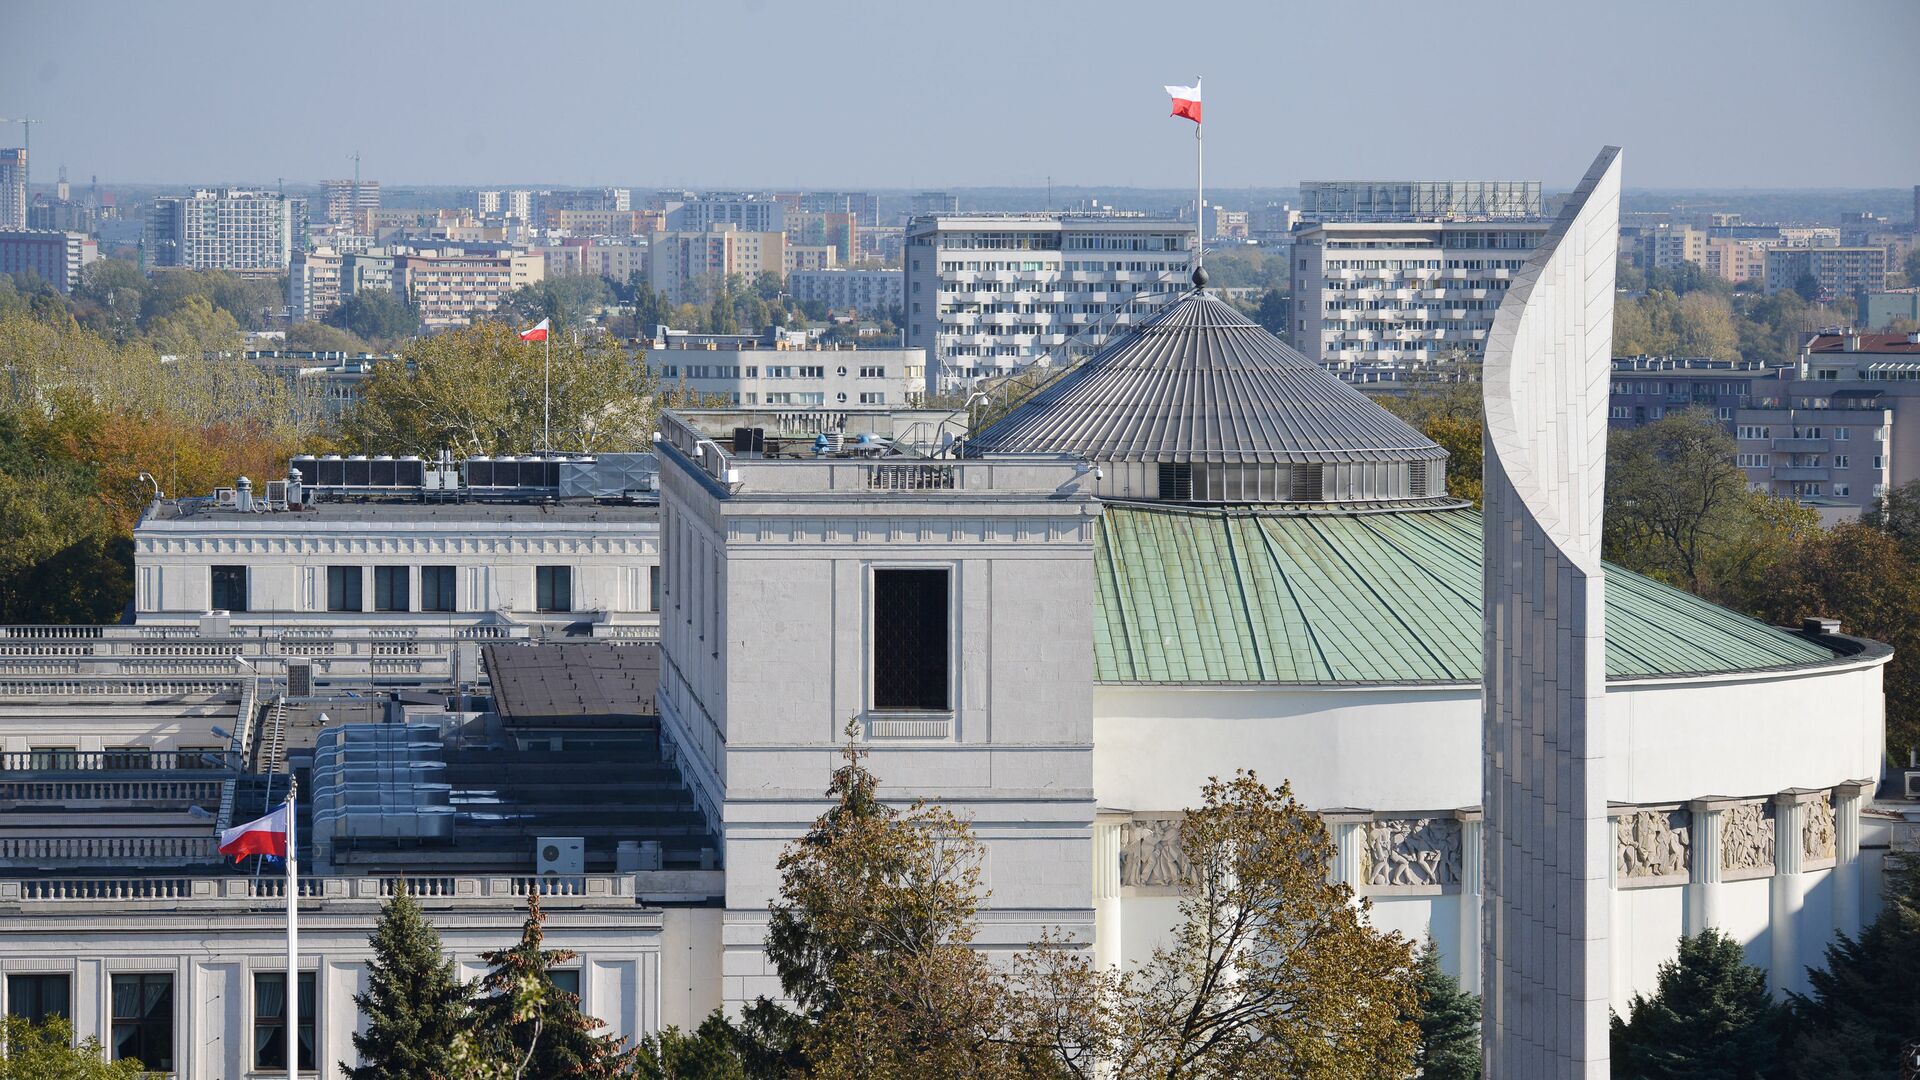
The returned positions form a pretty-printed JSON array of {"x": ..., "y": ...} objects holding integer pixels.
[{"x": 562, "y": 511}]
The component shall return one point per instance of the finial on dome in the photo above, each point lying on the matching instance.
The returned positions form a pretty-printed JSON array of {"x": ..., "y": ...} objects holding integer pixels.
[{"x": 1199, "y": 277}]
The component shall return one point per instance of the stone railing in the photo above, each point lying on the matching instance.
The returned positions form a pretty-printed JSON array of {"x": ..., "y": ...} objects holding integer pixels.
[
  {"x": 121, "y": 850},
  {"x": 120, "y": 761},
  {"x": 68, "y": 792},
  {"x": 584, "y": 890}
]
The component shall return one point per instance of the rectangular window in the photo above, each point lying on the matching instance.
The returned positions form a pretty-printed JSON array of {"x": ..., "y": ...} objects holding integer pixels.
[
  {"x": 270, "y": 1020},
  {"x": 911, "y": 647},
  {"x": 34, "y": 998},
  {"x": 436, "y": 589},
  {"x": 143, "y": 1020},
  {"x": 567, "y": 981},
  {"x": 391, "y": 588},
  {"x": 343, "y": 588},
  {"x": 653, "y": 588},
  {"x": 229, "y": 588},
  {"x": 127, "y": 757},
  {"x": 553, "y": 588}
]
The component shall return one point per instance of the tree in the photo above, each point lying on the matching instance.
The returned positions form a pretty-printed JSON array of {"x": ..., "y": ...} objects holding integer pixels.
[
  {"x": 1864, "y": 1006},
  {"x": 1703, "y": 326},
  {"x": 710, "y": 1052},
  {"x": 1449, "y": 414},
  {"x": 1673, "y": 496},
  {"x": 1272, "y": 313},
  {"x": 571, "y": 301},
  {"x": 1898, "y": 515},
  {"x": 1449, "y": 1023},
  {"x": 1911, "y": 264},
  {"x": 478, "y": 390},
  {"x": 1711, "y": 1017},
  {"x": 319, "y": 337},
  {"x": 528, "y": 1022},
  {"x": 196, "y": 329},
  {"x": 871, "y": 938},
  {"x": 415, "y": 1002},
  {"x": 1808, "y": 287},
  {"x": 46, "y": 1051},
  {"x": 1856, "y": 574},
  {"x": 1272, "y": 971},
  {"x": 376, "y": 315}
]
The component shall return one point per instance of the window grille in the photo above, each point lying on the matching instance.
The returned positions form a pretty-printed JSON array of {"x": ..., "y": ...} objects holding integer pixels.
[
  {"x": 1176, "y": 481},
  {"x": 911, "y": 639},
  {"x": 1308, "y": 483},
  {"x": 1416, "y": 478}
]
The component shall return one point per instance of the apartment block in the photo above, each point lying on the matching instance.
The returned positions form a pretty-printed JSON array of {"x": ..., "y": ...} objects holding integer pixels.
[
  {"x": 1388, "y": 295},
  {"x": 584, "y": 256},
  {"x": 349, "y": 200},
  {"x": 1883, "y": 309},
  {"x": 686, "y": 266},
  {"x": 13, "y": 188},
  {"x": 232, "y": 229},
  {"x": 1668, "y": 248},
  {"x": 839, "y": 288},
  {"x": 987, "y": 294},
  {"x": 56, "y": 257},
  {"x": 835, "y": 229},
  {"x": 450, "y": 287},
  {"x": 1735, "y": 260},
  {"x": 1837, "y": 271},
  {"x": 749, "y": 213},
  {"x": 313, "y": 283}
]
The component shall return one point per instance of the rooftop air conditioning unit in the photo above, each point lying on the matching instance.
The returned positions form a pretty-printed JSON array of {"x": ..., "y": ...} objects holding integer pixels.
[
  {"x": 560, "y": 856},
  {"x": 1913, "y": 783}
]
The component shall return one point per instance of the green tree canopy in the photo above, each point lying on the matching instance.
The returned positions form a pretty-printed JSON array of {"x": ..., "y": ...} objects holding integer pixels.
[
  {"x": 1449, "y": 1023},
  {"x": 1864, "y": 1006},
  {"x": 1711, "y": 1017},
  {"x": 47, "y": 1051},
  {"x": 376, "y": 315},
  {"x": 523, "y": 1019},
  {"x": 478, "y": 390},
  {"x": 414, "y": 1004}
]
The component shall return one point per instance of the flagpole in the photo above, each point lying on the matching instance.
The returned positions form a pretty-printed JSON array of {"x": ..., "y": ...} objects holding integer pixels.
[
  {"x": 1200, "y": 192},
  {"x": 546, "y": 395},
  {"x": 292, "y": 1014}
]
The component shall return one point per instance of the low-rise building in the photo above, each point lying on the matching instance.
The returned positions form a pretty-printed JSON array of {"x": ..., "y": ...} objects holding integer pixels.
[
  {"x": 1884, "y": 308},
  {"x": 776, "y": 370},
  {"x": 55, "y": 257}
]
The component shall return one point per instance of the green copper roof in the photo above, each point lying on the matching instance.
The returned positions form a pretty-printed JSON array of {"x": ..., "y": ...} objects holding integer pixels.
[{"x": 1224, "y": 596}]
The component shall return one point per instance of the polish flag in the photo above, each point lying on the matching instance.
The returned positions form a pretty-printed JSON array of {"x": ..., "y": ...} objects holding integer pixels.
[
  {"x": 1186, "y": 101},
  {"x": 263, "y": 836},
  {"x": 539, "y": 333}
]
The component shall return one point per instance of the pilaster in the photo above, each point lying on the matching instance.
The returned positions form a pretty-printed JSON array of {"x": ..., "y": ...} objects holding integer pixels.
[{"x": 1704, "y": 885}]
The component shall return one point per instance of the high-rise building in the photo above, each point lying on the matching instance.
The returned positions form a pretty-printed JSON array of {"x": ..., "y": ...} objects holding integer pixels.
[
  {"x": 1419, "y": 200},
  {"x": 687, "y": 266},
  {"x": 1666, "y": 249},
  {"x": 313, "y": 283},
  {"x": 232, "y": 229},
  {"x": 56, "y": 257},
  {"x": 989, "y": 294},
  {"x": 933, "y": 202},
  {"x": 864, "y": 207},
  {"x": 837, "y": 229},
  {"x": 13, "y": 188},
  {"x": 749, "y": 213},
  {"x": 348, "y": 199},
  {"x": 1371, "y": 296}
]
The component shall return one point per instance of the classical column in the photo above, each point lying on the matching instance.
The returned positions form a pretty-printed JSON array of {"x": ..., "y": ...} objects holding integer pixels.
[
  {"x": 1788, "y": 894},
  {"x": 1470, "y": 876},
  {"x": 1847, "y": 799},
  {"x": 1348, "y": 827},
  {"x": 1703, "y": 886},
  {"x": 1549, "y": 845},
  {"x": 1109, "y": 947}
]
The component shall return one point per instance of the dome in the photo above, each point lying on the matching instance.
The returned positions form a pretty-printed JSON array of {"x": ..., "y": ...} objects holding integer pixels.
[{"x": 1199, "y": 404}]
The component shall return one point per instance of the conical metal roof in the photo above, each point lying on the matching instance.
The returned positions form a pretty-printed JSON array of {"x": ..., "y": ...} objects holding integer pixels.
[{"x": 1199, "y": 382}]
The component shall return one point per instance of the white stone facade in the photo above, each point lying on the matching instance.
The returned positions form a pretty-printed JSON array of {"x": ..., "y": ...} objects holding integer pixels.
[{"x": 1545, "y": 740}]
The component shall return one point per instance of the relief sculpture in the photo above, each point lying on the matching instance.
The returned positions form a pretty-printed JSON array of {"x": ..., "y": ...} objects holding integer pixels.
[
  {"x": 1414, "y": 851},
  {"x": 1746, "y": 838},
  {"x": 1152, "y": 856},
  {"x": 1816, "y": 840},
  {"x": 1650, "y": 843}
]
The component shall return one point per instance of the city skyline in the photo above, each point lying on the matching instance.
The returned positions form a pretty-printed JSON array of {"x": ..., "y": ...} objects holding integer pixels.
[{"x": 1001, "y": 119}]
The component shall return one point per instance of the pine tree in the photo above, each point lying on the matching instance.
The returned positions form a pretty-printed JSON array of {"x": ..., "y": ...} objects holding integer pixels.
[
  {"x": 415, "y": 1002},
  {"x": 1865, "y": 1007},
  {"x": 1710, "y": 1018},
  {"x": 1449, "y": 1023},
  {"x": 536, "y": 1026}
]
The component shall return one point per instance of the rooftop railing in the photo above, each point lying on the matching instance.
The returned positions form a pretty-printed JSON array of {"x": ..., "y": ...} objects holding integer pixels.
[{"x": 240, "y": 892}]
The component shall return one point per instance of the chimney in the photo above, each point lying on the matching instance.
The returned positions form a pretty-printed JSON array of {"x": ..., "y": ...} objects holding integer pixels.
[
  {"x": 294, "y": 493},
  {"x": 1819, "y": 626},
  {"x": 243, "y": 495},
  {"x": 1852, "y": 343}
]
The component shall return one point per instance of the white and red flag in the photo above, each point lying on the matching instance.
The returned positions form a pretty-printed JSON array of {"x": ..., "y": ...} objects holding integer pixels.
[
  {"x": 537, "y": 332},
  {"x": 262, "y": 836},
  {"x": 1186, "y": 101}
]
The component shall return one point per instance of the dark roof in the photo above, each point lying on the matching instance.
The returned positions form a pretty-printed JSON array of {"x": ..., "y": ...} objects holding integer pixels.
[
  {"x": 584, "y": 681},
  {"x": 1869, "y": 343},
  {"x": 1199, "y": 382}
]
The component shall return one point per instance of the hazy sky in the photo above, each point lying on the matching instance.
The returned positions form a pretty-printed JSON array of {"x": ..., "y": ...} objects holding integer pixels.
[{"x": 897, "y": 93}]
